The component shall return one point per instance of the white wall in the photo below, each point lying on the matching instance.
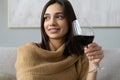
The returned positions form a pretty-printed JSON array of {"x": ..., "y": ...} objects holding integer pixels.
[{"x": 106, "y": 37}]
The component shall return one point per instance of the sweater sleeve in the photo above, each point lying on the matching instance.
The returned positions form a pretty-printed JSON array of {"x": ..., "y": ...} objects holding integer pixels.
[
  {"x": 82, "y": 68},
  {"x": 23, "y": 62}
]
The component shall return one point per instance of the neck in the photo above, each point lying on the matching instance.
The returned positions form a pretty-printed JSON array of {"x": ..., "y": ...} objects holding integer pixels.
[{"x": 55, "y": 44}]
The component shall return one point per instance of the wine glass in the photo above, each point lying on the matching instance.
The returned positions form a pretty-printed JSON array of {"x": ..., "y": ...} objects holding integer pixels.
[{"x": 84, "y": 35}]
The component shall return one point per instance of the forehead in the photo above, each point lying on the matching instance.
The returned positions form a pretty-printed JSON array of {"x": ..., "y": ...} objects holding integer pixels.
[{"x": 53, "y": 8}]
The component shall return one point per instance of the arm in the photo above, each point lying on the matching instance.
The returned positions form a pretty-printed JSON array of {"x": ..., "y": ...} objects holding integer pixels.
[
  {"x": 91, "y": 75},
  {"x": 23, "y": 62},
  {"x": 94, "y": 54}
]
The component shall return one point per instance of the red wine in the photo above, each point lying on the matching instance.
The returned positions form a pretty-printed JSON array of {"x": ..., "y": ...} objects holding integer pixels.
[{"x": 83, "y": 39}]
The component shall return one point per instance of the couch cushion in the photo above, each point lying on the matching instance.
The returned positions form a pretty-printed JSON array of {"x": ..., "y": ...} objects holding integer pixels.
[
  {"x": 111, "y": 64},
  {"x": 7, "y": 60},
  {"x": 6, "y": 77}
]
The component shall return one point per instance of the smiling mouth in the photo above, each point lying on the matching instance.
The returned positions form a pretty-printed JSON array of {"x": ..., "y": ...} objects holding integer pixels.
[{"x": 53, "y": 30}]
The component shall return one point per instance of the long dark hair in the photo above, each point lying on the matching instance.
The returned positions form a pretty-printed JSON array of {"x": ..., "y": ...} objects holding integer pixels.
[{"x": 69, "y": 13}]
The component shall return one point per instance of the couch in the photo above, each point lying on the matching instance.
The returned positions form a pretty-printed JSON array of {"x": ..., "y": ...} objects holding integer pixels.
[{"x": 110, "y": 63}]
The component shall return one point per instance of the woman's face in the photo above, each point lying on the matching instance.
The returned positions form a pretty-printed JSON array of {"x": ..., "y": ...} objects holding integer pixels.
[{"x": 55, "y": 24}]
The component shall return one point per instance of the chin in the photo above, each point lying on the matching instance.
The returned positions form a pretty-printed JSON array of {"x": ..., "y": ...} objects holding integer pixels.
[{"x": 54, "y": 37}]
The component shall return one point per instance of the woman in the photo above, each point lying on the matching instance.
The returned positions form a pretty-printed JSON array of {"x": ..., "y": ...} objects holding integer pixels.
[{"x": 56, "y": 57}]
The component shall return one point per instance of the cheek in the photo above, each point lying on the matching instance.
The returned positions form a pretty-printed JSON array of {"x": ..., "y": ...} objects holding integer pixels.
[
  {"x": 66, "y": 27},
  {"x": 45, "y": 26}
]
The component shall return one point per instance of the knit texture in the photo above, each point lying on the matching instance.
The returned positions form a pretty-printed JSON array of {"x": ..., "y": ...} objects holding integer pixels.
[{"x": 34, "y": 63}]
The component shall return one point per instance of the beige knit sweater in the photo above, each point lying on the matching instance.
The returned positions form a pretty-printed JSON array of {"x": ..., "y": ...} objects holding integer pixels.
[{"x": 34, "y": 63}]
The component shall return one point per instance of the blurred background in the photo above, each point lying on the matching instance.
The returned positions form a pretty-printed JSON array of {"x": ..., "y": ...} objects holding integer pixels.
[{"x": 107, "y": 37}]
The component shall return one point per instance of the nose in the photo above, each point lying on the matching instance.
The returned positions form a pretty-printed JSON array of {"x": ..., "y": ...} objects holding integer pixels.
[{"x": 52, "y": 22}]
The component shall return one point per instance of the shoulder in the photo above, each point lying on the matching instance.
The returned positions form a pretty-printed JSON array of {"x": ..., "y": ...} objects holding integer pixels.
[
  {"x": 26, "y": 46},
  {"x": 26, "y": 49},
  {"x": 25, "y": 54}
]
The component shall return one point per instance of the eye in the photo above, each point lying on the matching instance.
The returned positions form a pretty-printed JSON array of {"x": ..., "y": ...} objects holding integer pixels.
[
  {"x": 60, "y": 17},
  {"x": 46, "y": 18}
]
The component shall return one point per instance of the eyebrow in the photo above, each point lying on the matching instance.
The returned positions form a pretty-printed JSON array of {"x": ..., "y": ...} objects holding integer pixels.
[{"x": 55, "y": 13}]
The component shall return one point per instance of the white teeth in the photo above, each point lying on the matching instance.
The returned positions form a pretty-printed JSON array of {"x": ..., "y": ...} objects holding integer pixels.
[{"x": 53, "y": 28}]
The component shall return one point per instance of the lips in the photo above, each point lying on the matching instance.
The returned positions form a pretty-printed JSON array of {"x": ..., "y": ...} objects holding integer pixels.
[{"x": 53, "y": 30}]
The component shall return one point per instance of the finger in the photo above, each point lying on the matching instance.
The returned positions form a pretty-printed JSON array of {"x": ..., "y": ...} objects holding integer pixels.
[
  {"x": 90, "y": 50},
  {"x": 98, "y": 56},
  {"x": 100, "y": 52},
  {"x": 92, "y": 44},
  {"x": 90, "y": 58}
]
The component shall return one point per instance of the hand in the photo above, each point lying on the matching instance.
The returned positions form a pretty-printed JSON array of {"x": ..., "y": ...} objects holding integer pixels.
[{"x": 94, "y": 53}]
